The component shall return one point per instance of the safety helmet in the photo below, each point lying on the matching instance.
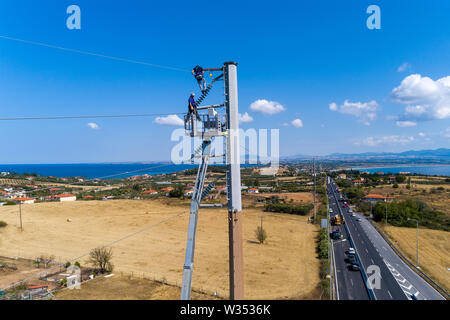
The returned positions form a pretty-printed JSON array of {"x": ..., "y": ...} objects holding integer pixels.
[{"x": 192, "y": 94}]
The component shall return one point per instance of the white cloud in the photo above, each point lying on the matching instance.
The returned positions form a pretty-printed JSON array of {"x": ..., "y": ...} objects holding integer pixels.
[
  {"x": 385, "y": 140},
  {"x": 403, "y": 67},
  {"x": 447, "y": 132},
  {"x": 243, "y": 118},
  {"x": 406, "y": 123},
  {"x": 298, "y": 123},
  {"x": 421, "y": 134},
  {"x": 266, "y": 107},
  {"x": 170, "y": 120},
  {"x": 366, "y": 112},
  {"x": 93, "y": 126},
  {"x": 425, "y": 99},
  {"x": 285, "y": 124}
]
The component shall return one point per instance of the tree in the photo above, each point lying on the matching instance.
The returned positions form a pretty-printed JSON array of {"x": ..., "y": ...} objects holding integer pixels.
[
  {"x": 46, "y": 260},
  {"x": 101, "y": 258},
  {"x": 261, "y": 234},
  {"x": 400, "y": 179},
  {"x": 395, "y": 186},
  {"x": 137, "y": 187}
]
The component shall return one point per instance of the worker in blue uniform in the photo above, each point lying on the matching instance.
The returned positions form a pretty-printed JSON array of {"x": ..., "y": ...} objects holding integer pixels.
[
  {"x": 192, "y": 108},
  {"x": 199, "y": 73}
]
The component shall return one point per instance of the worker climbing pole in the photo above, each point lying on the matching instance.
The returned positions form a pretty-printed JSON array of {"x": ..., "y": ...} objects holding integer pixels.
[{"x": 213, "y": 126}]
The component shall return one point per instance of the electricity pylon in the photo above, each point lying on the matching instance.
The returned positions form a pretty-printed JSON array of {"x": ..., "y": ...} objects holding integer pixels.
[{"x": 212, "y": 126}]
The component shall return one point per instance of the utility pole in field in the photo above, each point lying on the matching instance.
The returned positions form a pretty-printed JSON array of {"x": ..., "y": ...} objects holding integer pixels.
[
  {"x": 236, "y": 255},
  {"x": 20, "y": 214},
  {"x": 314, "y": 177},
  {"x": 212, "y": 126}
]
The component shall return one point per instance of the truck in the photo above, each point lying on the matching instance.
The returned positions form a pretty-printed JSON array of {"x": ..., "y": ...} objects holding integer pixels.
[
  {"x": 336, "y": 220},
  {"x": 336, "y": 234}
]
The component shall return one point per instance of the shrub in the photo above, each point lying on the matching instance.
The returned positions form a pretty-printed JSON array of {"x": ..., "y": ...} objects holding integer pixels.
[
  {"x": 298, "y": 209},
  {"x": 261, "y": 234},
  {"x": 395, "y": 186},
  {"x": 3, "y": 224}
]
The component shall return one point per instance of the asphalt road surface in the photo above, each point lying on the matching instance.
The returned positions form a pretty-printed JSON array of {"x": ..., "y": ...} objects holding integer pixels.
[{"x": 396, "y": 282}]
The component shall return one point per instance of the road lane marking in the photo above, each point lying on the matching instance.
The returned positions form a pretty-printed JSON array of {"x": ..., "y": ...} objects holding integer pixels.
[
  {"x": 404, "y": 285},
  {"x": 390, "y": 295}
]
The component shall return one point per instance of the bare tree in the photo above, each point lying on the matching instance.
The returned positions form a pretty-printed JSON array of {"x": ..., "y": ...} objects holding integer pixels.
[
  {"x": 100, "y": 258},
  {"x": 46, "y": 260}
]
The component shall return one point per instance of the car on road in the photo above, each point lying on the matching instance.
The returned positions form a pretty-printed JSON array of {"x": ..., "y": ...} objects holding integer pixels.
[
  {"x": 354, "y": 266},
  {"x": 345, "y": 205},
  {"x": 350, "y": 250},
  {"x": 358, "y": 219},
  {"x": 353, "y": 214}
]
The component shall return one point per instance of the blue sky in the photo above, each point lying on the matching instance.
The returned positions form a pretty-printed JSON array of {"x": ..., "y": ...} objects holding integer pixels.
[{"x": 303, "y": 55}]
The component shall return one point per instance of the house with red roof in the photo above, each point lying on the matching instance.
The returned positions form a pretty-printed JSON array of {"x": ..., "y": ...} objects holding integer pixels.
[
  {"x": 372, "y": 197},
  {"x": 65, "y": 197},
  {"x": 23, "y": 200},
  {"x": 150, "y": 192}
]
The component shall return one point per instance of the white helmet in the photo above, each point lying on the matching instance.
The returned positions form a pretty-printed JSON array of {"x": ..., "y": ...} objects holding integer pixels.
[{"x": 192, "y": 94}]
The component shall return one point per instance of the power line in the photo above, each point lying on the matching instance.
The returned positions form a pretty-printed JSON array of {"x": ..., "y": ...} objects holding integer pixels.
[
  {"x": 94, "y": 54},
  {"x": 90, "y": 117}
]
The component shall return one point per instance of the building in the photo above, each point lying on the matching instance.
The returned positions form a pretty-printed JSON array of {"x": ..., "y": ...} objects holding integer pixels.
[
  {"x": 150, "y": 192},
  {"x": 188, "y": 193},
  {"x": 358, "y": 182},
  {"x": 66, "y": 197},
  {"x": 253, "y": 190},
  {"x": 374, "y": 198},
  {"x": 342, "y": 176},
  {"x": 23, "y": 200},
  {"x": 221, "y": 188}
]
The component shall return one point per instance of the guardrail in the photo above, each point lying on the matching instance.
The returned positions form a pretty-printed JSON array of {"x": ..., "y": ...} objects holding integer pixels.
[{"x": 422, "y": 274}]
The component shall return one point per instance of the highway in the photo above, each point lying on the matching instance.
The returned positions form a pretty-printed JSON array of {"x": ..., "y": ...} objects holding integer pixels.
[
  {"x": 349, "y": 284},
  {"x": 397, "y": 281}
]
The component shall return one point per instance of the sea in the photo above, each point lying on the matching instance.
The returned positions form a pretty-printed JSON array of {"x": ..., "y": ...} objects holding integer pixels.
[
  {"x": 96, "y": 170},
  {"x": 431, "y": 170}
]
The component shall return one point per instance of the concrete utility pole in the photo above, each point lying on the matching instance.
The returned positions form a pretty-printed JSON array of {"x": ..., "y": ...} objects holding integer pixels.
[
  {"x": 234, "y": 184},
  {"x": 20, "y": 214},
  {"x": 314, "y": 177}
]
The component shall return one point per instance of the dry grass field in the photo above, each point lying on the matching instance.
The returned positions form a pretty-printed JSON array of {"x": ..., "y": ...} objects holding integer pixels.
[
  {"x": 434, "y": 250},
  {"x": 120, "y": 287},
  {"x": 298, "y": 197},
  {"x": 286, "y": 267},
  {"x": 24, "y": 269}
]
